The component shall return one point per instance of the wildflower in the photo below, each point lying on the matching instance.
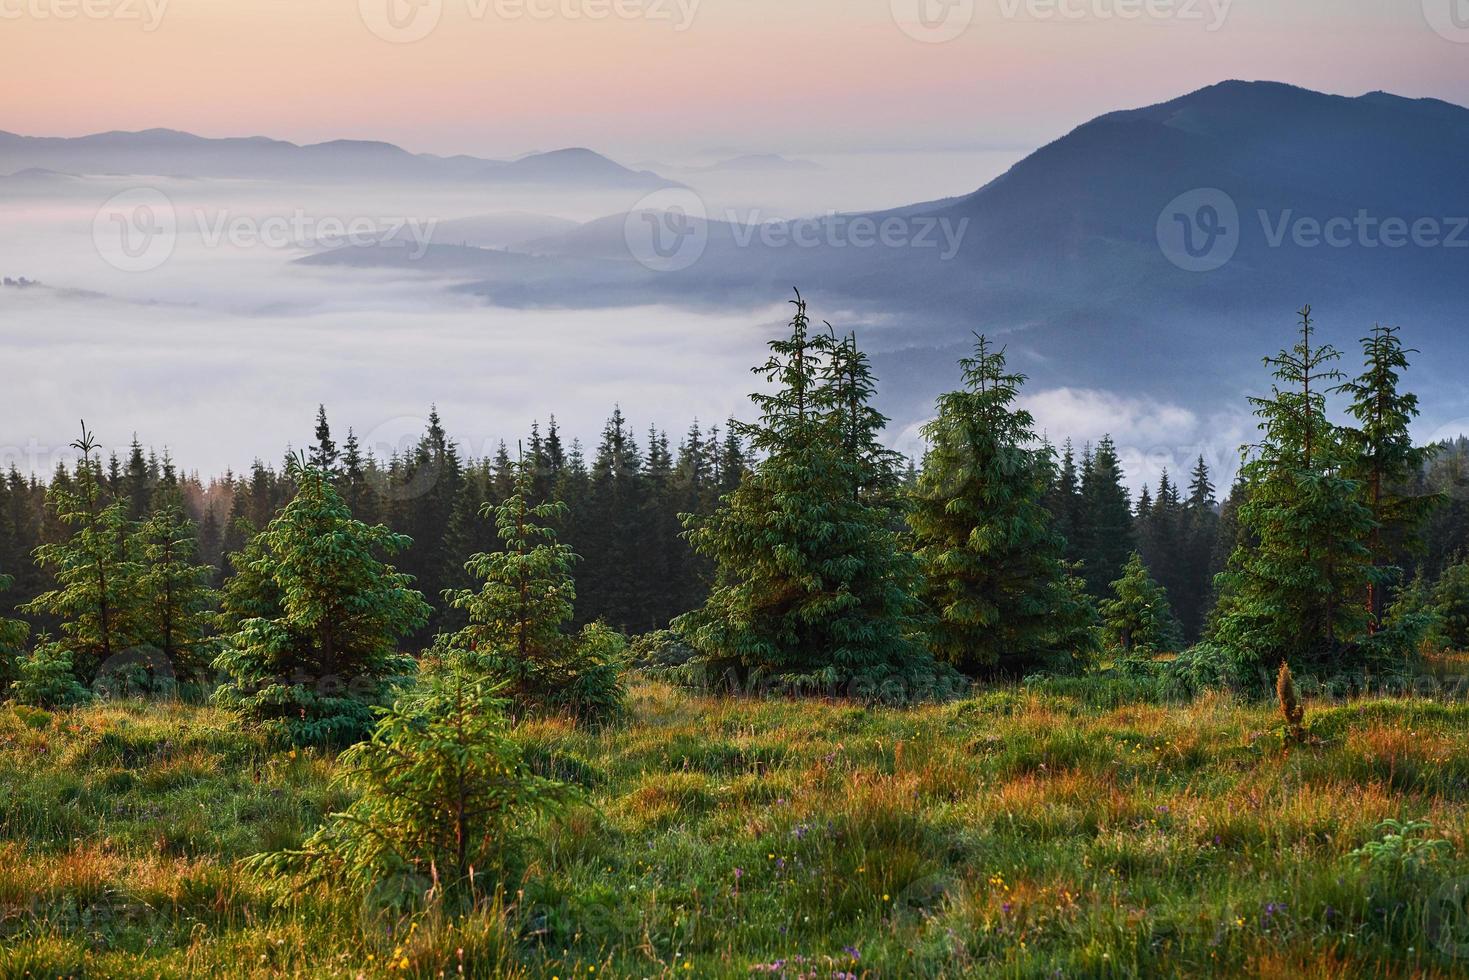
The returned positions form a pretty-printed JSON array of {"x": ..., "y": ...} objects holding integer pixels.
[{"x": 852, "y": 952}]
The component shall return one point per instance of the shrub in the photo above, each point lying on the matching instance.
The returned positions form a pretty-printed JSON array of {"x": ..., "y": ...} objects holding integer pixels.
[
  {"x": 1450, "y": 606},
  {"x": 446, "y": 801},
  {"x": 660, "y": 650},
  {"x": 45, "y": 679},
  {"x": 594, "y": 687}
]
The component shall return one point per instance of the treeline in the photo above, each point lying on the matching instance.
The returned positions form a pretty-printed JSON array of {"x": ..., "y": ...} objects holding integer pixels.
[
  {"x": 798, "y": 550},
  {"x": 623, "y": 503}
]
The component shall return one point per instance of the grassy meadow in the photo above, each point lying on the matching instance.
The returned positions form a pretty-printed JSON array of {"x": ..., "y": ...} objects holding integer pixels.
[{"x": 1059, "y": 830}]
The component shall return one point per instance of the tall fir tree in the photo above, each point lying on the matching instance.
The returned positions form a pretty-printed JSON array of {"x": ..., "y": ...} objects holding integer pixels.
[
  {"x": 1384, "y": 460},
  {"x": 324, "y": 450},
  {"x": 1194, "y": 596},
  {"x": 137, "y": 484},
  {"x": 812, "y": 590},
  {"x": 1063, "y": 501},
  {"x": 609, "y": 534},
  {"x": 993, "y": 568},
  {"x": 1106, "y": 529},
  {"x": 1293, "y": 585}
]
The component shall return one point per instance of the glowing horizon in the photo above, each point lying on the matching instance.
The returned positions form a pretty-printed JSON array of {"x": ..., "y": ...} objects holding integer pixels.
[{"x": 637, "y": 77}]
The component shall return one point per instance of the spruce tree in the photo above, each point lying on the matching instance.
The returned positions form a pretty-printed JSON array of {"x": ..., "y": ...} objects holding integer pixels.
[
  {"x": 1449, "y": 604},
  {"x": 994, "y": 576},
  {"x": 1384, "y": 461},
  {"x": 356, "y": 486},
  {"x": 137, "y": 483},
  {"x": 846, "y": 399},
  {"x": 610, "y": 535},
  {"x": 422, "y": 507},
  {"x": 324, "y": 451},
  {"x": 1194, "y": 597},
  {"x": 1137, "y": 619},
  {"x": 518, "y": 616},
  {"x": 13, "y": 636},
  {"x": 1063, "y": 501},
  {"x": 1293, "y": 586},
  {"x": 175, "y": 600},
  {"x": 812, "y": 590},
  {"x": 314, "y": 617},
  {"x": 1106, "y": 529},
  {"x": 94, "y": 599},
  {"x": 442, "y": 801}
]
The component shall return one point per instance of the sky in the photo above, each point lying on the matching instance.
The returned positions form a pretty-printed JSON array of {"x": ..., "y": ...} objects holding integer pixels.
[
  {"x": 640, "y": 78},
  {"x": 223, "y": 355}
]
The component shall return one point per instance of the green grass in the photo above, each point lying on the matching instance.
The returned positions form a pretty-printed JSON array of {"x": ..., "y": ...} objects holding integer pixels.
[{"x": 1018, "y": 833}]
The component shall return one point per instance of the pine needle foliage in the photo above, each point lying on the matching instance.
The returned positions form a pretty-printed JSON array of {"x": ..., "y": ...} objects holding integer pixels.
[
  {"x": 812, "y": 591},
  {"x": 1449, "y": 606},
  {"x": 994, "y": 575},
  {"x": 91, "y": 566},
  {"x": 175, "y": 602},
  {"x": 1293, "y": 587},
  {"x": 445, "y": 807},
  {"x": 13, "y": 636},
  {"x": 1138, "y": 620},
  {"x": 517, "y": 630},
  {"x": 1384, "y": 460},
  {"x": 313, "y": 619}
]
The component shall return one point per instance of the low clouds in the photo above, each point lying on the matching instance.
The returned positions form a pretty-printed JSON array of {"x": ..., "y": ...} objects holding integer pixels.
[{"x": 1151, "y": 435}]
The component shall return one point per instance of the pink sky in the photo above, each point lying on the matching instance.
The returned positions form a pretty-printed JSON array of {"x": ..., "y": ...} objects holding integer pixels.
[{"x": 499, "y": 77}]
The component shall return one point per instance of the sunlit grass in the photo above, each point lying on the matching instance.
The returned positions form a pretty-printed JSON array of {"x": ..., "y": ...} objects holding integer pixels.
[{"x": 1017, "y": 833}]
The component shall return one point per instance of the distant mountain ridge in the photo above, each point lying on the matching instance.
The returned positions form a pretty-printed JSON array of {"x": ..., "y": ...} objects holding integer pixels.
[
  {"x": 1065, "y": 252},
  {"x": 167, "y": 152}
]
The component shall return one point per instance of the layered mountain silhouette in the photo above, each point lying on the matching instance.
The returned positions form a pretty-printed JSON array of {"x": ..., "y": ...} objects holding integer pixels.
[
  {"x": 169, "y": 152},
  {"x": 1181, "y": 234}
]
